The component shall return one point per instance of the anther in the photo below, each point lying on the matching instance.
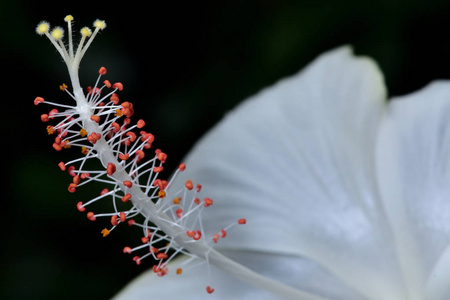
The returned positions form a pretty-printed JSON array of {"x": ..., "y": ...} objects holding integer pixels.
[
  {"x": 91, "y": 216},
  {"x": 242, "y": 221},
  {"x": 128, "y": 183},
  {"x": 127, "y": 250},
  {"x": 57, "y": 33},
  {"x": 189, "y": 185},
  {"x": 182, "y": 167},
  {"x": 126, "y": 198},
  {"x": 62, "y": 166},
  {"x": 208, "y": 202},
  {"x": 139, "y": 124},
  {"x": 209, "y": 289},
  {"x": 105, "y": 232},
  {"x": 110, "y": 169},
  {"x": 72, "y": 187},
  {"x": 95, "y": 118},
  {"x": 80, "y": 206},
  {"x": 102, "y": 71},
  {"x": 118, "y": 86},
  {"x": 38, "y": 100},
  {"x": 42, "y": 28}
]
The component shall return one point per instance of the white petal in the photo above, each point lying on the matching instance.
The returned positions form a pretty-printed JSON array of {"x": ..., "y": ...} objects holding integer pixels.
[
  {"x": 192, "y": 283},
  {"x": 414, "y": 172},
  {"x": 296, "y": 160}
]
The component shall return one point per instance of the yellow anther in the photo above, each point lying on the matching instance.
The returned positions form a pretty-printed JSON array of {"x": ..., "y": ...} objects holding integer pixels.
[
  {"x": 84, "y": 150},
  {"x": 63, "y": 87},
  {"x": 42, "y": 28},
  {"x": 105, "y": 232},
  {"x": 50, "y": 130},
  {"x": 67, "y": 145},
  {"x": 100, "y": 24},
  {"x": 85, "y": 31},
  {"x": 57, "y": 33},
  {"x": 176, "y": 200},
  {"x": 118, "y": 113},
  {"x": 83, "y": 132},
  {"x": 68, "y": 18}
]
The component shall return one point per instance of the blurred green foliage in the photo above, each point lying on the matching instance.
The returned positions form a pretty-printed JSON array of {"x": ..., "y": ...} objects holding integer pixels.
[{"x": 183, "y": 66}]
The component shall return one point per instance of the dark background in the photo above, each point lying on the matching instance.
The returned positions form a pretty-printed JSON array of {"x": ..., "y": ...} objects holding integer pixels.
[{"x": 183, "y": 66}]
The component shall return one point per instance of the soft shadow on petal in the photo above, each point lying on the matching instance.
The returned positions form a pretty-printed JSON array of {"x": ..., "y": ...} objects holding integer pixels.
[
  {"x": 414, "y": 171},
  {"x": 297, "y": 160},
  {"x": 192, "y": 283}
]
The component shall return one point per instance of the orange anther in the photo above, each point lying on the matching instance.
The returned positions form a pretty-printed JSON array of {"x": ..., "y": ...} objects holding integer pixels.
[
  {"x": 126, "y": 198},
  {"x": 209, "y": 289},
  {"x": 105, "y": 232},
  {"x": 123, "y": 217},
  {"x": 197, "y": 201},
  {"x": 140, "y": 124},
  {"x": 132, "y": 136},
  {"x": 147, "y": 137},
  {"x": 182, "y": 167},
  {"x": 114, "y": 220},
  {"x": 131, "y": 222},
  {"x": 190, "y": 233},
  {"x": 52, "y": 113},
  {"x": 176, "y": 200},
  {"x": 208, "y": 202},
  {"x": 44, "y": 118},
  {"x": 179, "y": 271},
  {"x": 124, "y": 156},
  {"x": 95, "y": 118},
  {"x": 84, "y": 150},
  {"x": 161, "y": 194},
  {"x": 84, "y": 175},
  {"x": 63, "y": 87},
  {"x": 102, "y": 71},
  {"x": 80, "y": 206},
  {"x": 128, "y": 183},
  {"x": 198, "y": 188},
  {"x": 110, "y": 169},
  {"x": 72, "y": 187},
  {"x": 50, "y": 129},
  {"x": 127, "y": 250},
  {"x": 145, "y": 240},
  {"x": 158, "y": 169},
  {"x": 104, "y": 191},
  {"x": 62, "y": 166},
  {"x": 115, "y": 127},
  {"x": 154, "y": 250},
  {"x": 242, "y": 221},
  {"x": 224, "y": 233},
  {"x": 107, "y": 83},
  {"x": 162, "y": 157},
  {"x": 91, "y": 216},
  {"x": 162, "y": 256},
  {"x": 118, "y": 86},
  {"x": 76, "y": 179},
  {"x": 140, "y": 154},
  {"x": 38, "y": 100},
  {"x": 114, "y": 98},
  {"x": 189, "y": 185},
  {"x": 83, "y": 132}
]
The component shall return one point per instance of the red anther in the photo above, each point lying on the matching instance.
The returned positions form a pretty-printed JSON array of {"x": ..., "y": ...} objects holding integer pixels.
[
  {"x": 91, "y": 216},
  {"x": 80, "y": 206},
  {"x": 104, "y": 191},
  {"x": 123, "y": 217},
  {"x": 38, "y": 100},
  {"x": 242, "y": 221},
  {"x": 140, "y": 124},
  {"x": 147, "y": 137},
  {"x": 137, "y": 260},
  {"x": 179, "y": 212},
  {"x": 197, "y": 201},
  {"x": 209, "y": 289},
  {"x": 132, "y": 136},
  {"x": 182, "y": 167},
  {"x": 162, "y": 157},
  {"x": 224, "y": 233},
  {"x": 162, "y": 256},
  {"x": 190, "y": 233},
  {"x": 115, "y": 127},
  {"x": 102, "y": 71},
  {"x": 124, "y": 156},
  {"x": 158, "y": 169},
  {"x": 140, "y": 154},
  {"x": 126, "y": 198},
  {"x": 127, "y": 250},
  {"x": 197, "y": 235},
  {"x": 95, "y": 118},
  {"x": 84, "y": 175},
  {"x": 52, "y": 113},
  {"x": 127, "y": 104},
  {"x": 126, "y": 121},
  {"x": 97, "y": 135},
  {"x": 114, "y": 98},
  {"x": 145, "y": 240},
  {"x": 198, "y": 188},
  {"x": 44, "y": 118},
  {"x": 72, "y": 187},
  {"x": 62, "y": 166},
  {"x": 76, "y": 179},
  {"x": 189, "y": 185},
  {"x": 208, "y": 202},
  {"x": 159, "y": 183},
  {"x": 71, "y": 171},
  {"x": 118, "y": 86},
  {"x": 131, "y": 222},
  {"x": 107, "y": 83},
  {"x": 57, "y": 147},
  {"x": 110, "y": 169},
  {"x": 58, "y": 140},
  {"x": 215, "y": 238},
  {"x": 128, "y": 183},
  {"x": 114, "y": 220}
]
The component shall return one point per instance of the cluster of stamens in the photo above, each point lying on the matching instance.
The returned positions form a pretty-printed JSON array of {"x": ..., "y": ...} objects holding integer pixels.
[{"x": 100, "y": 125}]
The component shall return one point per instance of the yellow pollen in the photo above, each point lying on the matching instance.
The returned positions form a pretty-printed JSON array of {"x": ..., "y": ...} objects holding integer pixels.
[
  {"x": 68, "y": 18},
  {"x": 100, "y": 24},
  {"x": 105, "y": 232},
  {"x": 57, "y": 33},
  {"x": 42, "y": 27},
  {"x": 83, "y": 132},
  {"x": 85, "y": 31},
  {"x": 118, "y": 113},
  {"x": 63, "y": 87},
  {"x": 179, "y": 271},
  {"x": 50, "y": 130},
  {"x": 161, "y": 194}
]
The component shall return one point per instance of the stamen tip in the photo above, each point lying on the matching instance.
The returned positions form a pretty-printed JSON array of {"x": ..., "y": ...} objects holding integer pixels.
[{"x": 42, "y": 28}]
